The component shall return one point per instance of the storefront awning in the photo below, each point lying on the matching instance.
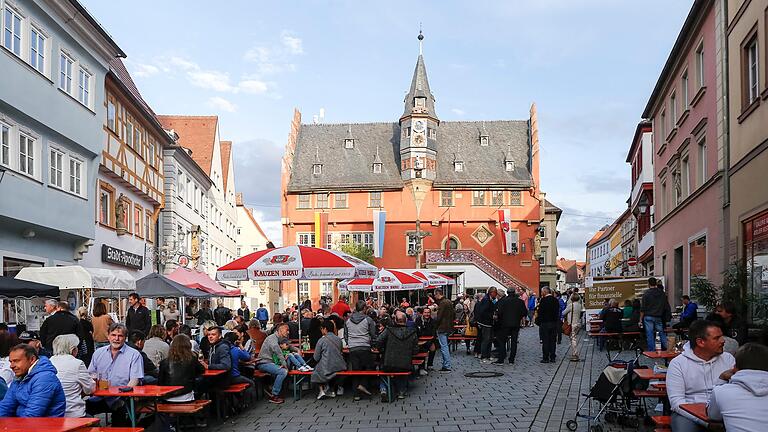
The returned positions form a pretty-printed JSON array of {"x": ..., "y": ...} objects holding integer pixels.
[
  {"x": 17, "y": 288},
  {"x": 199, "y": 280}
]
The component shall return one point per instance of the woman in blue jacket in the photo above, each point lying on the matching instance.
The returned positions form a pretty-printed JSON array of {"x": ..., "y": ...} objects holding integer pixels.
[{"x": 36, "y": 391}]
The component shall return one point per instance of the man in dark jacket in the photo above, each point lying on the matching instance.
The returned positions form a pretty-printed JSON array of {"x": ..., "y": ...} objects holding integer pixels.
[
  {"x": 138, "y": 317},
  {"x": 399, "y": 343},
  {"x": 484, "y": 312},
  {"x": 511, "y": 311},
  {"x": 446, "y": 314},
  {"x": 548, "y": 320},
  {"x": 221, "y": 314},
  {"x": 654, "y": 312},
  {"x": 218, "y": 356},
  {"x": 425, "y": 326},
  {"x": 60, "y": 323},
  {"x": 359, "y": 334},
  {"x": 136, "y": 341}
]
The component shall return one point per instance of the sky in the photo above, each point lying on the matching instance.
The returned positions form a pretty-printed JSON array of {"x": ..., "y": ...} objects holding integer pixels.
[{"x": 588, "y": 65}]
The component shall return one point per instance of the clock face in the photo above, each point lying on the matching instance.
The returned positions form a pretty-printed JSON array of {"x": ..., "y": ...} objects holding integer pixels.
[
  {"x": 418, "y": 126},
  {"x": 419, "y": 139}
]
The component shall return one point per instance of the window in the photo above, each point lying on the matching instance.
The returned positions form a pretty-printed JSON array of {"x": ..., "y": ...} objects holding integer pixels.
[
  {"x": 303, "y": 202},
  {"x": 37, "y": 50},
  {"x": 12, "y": 31},
  {"x": 5, "y": 144},
  {"x": 151, "y": 153},
  {"x": 75, "y": 176},
  {"x": 326, "y": 288},
  {"x": 137, "y": 139},
  {"x": 446, "y": 198},
  {"x": 303, "y": 291},
  {"x": 515, "y": 198},
  {"x": 543, "y": 258},
  {"x": 180, "y": 182},
  {"x": 26, "y": 155},
  {"x": 749, "y": 71},
  {"x": 306, "y": 239},
  {"x": 128, "y": 131},
  {"x": 432, "y": 133},
  {"x": 458, "y": 166},
  {"x": 700, "y": 65},
  {"x": 340, "y": 200},
  {"x": 497, "y": 198},
  {"x": 685, "y": 181},
  {"x": 374, "y": 199},
  {"x": 322, "y": 200},
  {"x": 664, "y": 198},
  {"x": 149, "y": 227},
  {"x": 484, "y": 141},
  {"x": 57, "y": 169},
  {"x": 377, "y": 168},
  {"x": 138, "y": 220},
  {"x": 84, "y": 88},
  {"x": 105, "y": 205},
  {"x": 478, "y": 198},
  {"x": 697, "y": 250},
  {"x": 111, "y": 120},
  {"x": 317, "y": 169},
  {"x": 420, "y": 102},
  {"x": 509, "y": 166},
  {"x": 701, "y": 161},
  {"x": 349, "y": 143},
  {"x": 663, "y": 126},
  {"x": 673, "y": 109},
  {"x": 684, "y": 90},
  {"x": 65, "y": 73}
]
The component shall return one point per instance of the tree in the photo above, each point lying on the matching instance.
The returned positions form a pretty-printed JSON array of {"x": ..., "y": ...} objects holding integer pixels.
[{"x": 359, "y": 251}]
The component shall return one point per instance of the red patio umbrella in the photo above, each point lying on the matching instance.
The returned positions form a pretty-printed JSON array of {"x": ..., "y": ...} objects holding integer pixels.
[{"x": 388, "y": 280}]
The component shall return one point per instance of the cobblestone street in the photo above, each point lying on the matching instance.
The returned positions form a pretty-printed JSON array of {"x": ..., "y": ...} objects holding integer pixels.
[{"x": 529, "y": 397}]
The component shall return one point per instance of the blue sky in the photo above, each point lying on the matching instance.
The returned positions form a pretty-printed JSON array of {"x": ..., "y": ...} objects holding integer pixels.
[{"x": 588, "y": 65}]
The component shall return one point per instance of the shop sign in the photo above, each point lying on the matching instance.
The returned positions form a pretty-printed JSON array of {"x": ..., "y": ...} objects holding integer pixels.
[
  {"x": 120, "y": 257},
  {"x": 759, "y": 227}
]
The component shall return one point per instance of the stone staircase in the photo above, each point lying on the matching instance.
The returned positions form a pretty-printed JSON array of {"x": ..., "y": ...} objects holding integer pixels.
[{"x": 471, "y": 256}]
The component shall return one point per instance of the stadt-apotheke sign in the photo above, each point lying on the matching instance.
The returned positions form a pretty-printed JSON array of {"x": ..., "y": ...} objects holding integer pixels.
[{"x": 121, "y": 257}]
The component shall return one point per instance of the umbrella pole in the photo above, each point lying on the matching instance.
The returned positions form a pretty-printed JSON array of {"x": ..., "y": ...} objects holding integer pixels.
[{"x": 298, "y": 299}]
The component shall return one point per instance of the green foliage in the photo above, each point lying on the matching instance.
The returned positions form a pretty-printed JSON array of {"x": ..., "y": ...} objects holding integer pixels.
[
  {"x": 358, "y": 251},
  {"x": 734, "y": 289},
  {"x": 705, "y": 293}
]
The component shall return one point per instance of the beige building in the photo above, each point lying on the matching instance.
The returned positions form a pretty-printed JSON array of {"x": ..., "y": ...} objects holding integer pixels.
[
  {"x": 251, "y": 238},
  {"x": 548, "y": 257},
  {"x": 746, "y": 196}
]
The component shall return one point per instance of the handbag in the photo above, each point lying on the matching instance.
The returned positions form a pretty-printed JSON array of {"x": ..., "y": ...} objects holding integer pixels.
[
  {"x": 470, "y": 330},
  {"x": 567, "y": 324}
]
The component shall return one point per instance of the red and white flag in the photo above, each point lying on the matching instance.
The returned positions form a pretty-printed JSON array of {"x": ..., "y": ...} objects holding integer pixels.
[{"x": 505, "y": 224}]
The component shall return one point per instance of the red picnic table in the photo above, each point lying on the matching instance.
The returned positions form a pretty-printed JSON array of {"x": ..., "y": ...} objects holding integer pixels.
[
  {"x": 213, "y": 372},
  {"x": 698, "y": 410},
  {"x": 659, "y": 354},
  {"x": 46, "y": 424},
  {"x": 649, "y": 374},
  {"x": 149, "y": 391}
]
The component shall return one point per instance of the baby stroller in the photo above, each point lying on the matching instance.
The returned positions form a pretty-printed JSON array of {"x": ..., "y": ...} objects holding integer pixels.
[{"x": 613, "y": 393}]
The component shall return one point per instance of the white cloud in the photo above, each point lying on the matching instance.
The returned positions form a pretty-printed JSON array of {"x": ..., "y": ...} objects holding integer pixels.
[
  {"x": 292, "y": 43},
  {"x": 272, "y": 59},
  {"x": 222, "y": 104},
  {"x": 253, "y": 86},
  {"x": 458, "y": 112},
  {"x": 145, "y": 70},
  {"x": 213, "y": 80}
]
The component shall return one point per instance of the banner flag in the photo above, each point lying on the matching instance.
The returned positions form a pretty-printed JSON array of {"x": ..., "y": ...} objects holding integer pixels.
[
  {"x": 321, "y": 230},
  {"x": 379, "y": 225},
  {"x": 507, "y": 244}
]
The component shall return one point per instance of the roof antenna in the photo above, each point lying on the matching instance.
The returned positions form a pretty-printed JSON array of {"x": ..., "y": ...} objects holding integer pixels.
[{"x": 421, "y": 41}]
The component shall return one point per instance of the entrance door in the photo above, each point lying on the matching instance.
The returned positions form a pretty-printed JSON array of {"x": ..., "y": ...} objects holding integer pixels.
[{"x": 678, "y": 277}]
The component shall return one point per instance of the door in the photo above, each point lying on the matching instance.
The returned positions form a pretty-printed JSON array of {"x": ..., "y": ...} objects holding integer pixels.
[{"x": 678, "y": 277}]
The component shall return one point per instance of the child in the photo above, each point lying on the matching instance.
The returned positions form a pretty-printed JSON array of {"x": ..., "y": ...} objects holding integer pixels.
[{"x": 292, "y": 356}]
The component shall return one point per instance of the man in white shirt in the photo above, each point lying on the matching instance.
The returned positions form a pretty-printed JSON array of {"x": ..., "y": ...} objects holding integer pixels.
[
  {"x": 692, "y": 375},
  {"x": 742, "y": 404}
]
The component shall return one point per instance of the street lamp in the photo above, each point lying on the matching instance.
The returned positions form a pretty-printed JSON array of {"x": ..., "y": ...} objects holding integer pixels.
[{"x": 2, "y": 173}]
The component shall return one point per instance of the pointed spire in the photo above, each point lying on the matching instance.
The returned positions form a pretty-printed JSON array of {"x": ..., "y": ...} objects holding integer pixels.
[{"x": 419, "y": 98}]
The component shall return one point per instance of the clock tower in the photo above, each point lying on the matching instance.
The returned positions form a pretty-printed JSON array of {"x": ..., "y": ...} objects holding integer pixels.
[{"x": 418, "y": 127}]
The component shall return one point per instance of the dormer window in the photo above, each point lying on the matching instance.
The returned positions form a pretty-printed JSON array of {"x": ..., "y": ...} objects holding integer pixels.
[
  {"x": 419, "y": 102},
  {"x": 484, "y": 140},
  {"x": 349, "y": 143},
  {"x": 407, "y": 132},
  {"x": 458, "y": 166},
  {"x": 509, "y": 165},
  {"x": 432, "y": 133},
  {"x": 377, "y": 168},
  {"x": 317, "y": 169}
]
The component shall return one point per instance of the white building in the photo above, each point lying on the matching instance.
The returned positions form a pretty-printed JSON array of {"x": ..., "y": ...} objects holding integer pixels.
[
  {"x": 599, "y": 252},
  {"x": 251, "y": 238},
  {"x": 640, "y": 157}
]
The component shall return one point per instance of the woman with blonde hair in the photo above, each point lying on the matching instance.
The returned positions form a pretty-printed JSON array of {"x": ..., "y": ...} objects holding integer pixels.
[
  {"x": 88, "y": 343},
  {"x": 572, "y": 316},
  {"x": 72, "y": 373}
]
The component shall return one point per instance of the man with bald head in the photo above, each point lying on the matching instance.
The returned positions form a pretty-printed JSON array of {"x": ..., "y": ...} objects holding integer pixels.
[{"x": 399, "y": 344}]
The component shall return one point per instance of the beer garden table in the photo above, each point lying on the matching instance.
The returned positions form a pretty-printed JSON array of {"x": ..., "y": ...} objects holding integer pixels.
[
  {"x": 45, "y": 424},
  {"x": 149, "y": 392}
]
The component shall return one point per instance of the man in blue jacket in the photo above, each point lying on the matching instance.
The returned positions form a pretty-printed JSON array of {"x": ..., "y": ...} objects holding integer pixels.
[
  {"x": 262, "y": 315},
  {"x": 36, "y": 391}
]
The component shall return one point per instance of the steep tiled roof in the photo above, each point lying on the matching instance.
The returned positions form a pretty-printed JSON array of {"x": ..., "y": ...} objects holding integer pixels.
[
  {"x": 595, "y": 238},
  {"x": 120, "y": 73},
  {"x": 197, "y": 133},
  {"x": 420, "y": 88},
  {"x": 226, "y": 153},
  {"x": 352, "y": 168}
]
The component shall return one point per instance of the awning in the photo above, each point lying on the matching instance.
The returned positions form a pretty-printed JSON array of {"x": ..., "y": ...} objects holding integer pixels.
[
  {"x": 199, "y": 280},
  {"x": 157, "y": 285},
  {"x": 77, "y": 277},
  {"x": 17, "y": 288},
  {"x": 647, "y": 256}
]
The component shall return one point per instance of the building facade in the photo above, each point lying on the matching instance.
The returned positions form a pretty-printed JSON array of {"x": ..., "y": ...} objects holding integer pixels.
[
  {"x": 251, "y": 238},
  {"x": 640, "y": 158},
  {"x": 599, "y": 252},
  {"x": 747, "y": 158},
  {"x": 434, "y": 187},
  {"x": 129, "y": 187},
  {"x": 54, "y": 58},
  {"x": 684, "y": 109},
  {"x": 548, "y": 233}
]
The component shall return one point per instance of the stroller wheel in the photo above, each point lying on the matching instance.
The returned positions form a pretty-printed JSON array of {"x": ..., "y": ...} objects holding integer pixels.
[
  {"x": 596, "y": 428},
  {"x": 611, "y": 417},
  {"x": 571, "y": 425}
]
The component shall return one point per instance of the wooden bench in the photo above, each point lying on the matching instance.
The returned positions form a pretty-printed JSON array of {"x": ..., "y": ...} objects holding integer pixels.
[
  {"x": 176, "y": 410},
  {"x": 650, "y": 393},
  {"x": 110, "y": 429},
  {"x": 385, "y": 377},
  {"x": 417, "y": 362},
  {"x": 453, "y": 341},
  {"x": 662, "y": 421}
]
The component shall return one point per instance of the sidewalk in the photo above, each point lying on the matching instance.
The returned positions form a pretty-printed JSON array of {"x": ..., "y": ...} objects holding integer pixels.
[{"x": 531, "y": 396}]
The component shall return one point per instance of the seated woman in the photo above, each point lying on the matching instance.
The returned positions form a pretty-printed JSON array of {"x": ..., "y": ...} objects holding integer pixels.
[
  {"x": 240, "y": 358},
  {"x": 329, "y": 360},
  {"x": 71, "y": 371},
  {"x": 631, "y": 323},
  {"x": 180, "y": 368}
]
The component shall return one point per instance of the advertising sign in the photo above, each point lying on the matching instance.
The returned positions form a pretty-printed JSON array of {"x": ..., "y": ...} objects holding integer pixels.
[
  {"x": 34, "y": 311},
  {"x": 120, "y": 257},
  {"x": 619, "y": 289}
]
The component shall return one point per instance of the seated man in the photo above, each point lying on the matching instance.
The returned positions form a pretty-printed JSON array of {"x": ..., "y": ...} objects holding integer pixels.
[
  {"x": 399, "y": 343},
  {"x": 692, "y": 375},
  {"x": 265, "y": 362},
  {"x": 688, "y": 315},
  {"x": 119, "y": 364},
  {"x": 742, "y": 404},
  {"x": 136, "y": 341},
  {"x": 36, "y": 391}
]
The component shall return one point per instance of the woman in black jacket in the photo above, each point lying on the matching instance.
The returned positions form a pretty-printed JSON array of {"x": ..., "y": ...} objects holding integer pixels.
[{"x": 181, "y": 368}]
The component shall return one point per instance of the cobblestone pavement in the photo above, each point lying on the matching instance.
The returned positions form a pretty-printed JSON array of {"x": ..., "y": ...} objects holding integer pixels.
[{"x": 530, "y": 396}]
